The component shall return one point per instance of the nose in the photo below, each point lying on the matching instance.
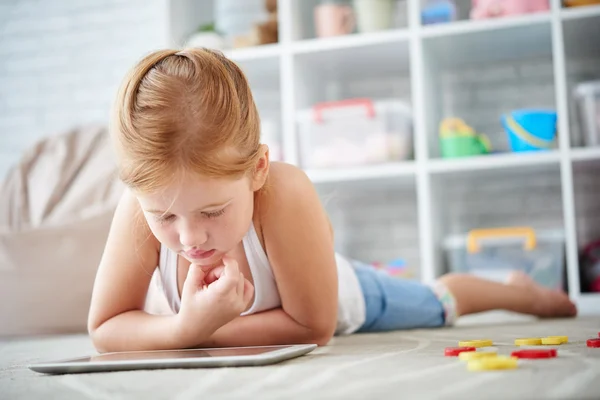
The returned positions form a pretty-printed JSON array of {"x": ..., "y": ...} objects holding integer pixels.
[{"x": 192, "y": 234}]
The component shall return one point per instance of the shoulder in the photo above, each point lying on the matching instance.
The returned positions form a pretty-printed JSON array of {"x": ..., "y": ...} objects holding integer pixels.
[
  {"x": 290, "y": 206},
  {"x": 286, "y": 182},
  {"x": 129, "y": 223},
  {"x": 288, "y": 194}
]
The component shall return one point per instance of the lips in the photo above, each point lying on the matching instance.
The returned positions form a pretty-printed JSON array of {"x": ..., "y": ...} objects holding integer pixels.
[{"x": 199, "y": 254}]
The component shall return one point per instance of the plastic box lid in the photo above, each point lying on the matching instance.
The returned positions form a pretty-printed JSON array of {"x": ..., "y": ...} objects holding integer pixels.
[
  {"x": 382, "y": 105},
  {"x": 454, "y": 242}
]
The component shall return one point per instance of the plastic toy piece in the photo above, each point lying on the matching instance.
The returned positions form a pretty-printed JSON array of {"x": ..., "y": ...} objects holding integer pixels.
[
  {"x": 457, "y": 139},
  {"x": 552, "y": 340},
  {"x": 534, "y": 353},
  {"x": 476, "y": 343},
  {"x": 492, "y": 363},
  {"x": 476, "y": 355},
  {"x": 593, "y": 342},
  {"x": 455, "y": 351},
  {"x": 565, "y": 339},
  {"x": 528, "y": 342}
]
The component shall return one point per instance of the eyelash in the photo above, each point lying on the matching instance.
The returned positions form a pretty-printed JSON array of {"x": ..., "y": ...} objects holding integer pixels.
[
  {"x": 210, "y": 215},
  {"x": 214, "y": 214}
]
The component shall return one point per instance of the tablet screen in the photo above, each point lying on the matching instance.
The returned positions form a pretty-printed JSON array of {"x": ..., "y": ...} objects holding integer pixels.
[{"x": 179, "y": 354}]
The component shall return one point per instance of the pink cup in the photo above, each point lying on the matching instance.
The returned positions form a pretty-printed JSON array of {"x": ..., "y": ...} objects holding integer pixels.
[
  {"x": 334, "y": 20},
  {"x": 483, "y": 9}
]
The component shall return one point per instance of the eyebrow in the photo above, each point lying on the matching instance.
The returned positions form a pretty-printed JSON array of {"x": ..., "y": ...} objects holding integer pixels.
[{"x": 214, "y": 205}]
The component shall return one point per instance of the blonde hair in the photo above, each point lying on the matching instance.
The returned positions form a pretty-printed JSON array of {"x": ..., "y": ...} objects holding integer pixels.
[{"x": 178, "y": 111}]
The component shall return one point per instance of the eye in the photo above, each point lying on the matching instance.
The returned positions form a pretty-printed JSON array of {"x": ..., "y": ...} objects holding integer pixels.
[
  {"x": 214, "y": 214},
  {"x": 165, "y": 218}
]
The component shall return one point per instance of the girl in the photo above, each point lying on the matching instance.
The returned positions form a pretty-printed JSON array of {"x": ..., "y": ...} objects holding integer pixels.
[{"x": 243, "y": 246}]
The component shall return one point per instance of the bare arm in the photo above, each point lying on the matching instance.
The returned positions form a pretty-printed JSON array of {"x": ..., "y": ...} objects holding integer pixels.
[
  {"x": 263, "y": 329},
  {"x": 116, "y": 320},
  {"x": 299, "y": 243}
]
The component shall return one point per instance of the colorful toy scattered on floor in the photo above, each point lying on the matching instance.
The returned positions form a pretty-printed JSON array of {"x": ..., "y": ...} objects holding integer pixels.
[{"x": 487, "y": 360}]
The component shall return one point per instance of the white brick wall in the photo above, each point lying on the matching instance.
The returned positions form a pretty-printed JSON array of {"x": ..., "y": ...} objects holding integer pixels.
[
  {"x": 373, "y": 222},
  {"x": 62, "y": 60},
  {"x": 481, "y": 93}
]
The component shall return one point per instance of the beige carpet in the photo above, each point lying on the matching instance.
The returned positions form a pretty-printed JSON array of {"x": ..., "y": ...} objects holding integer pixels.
[{"x": 407, "y": 364}]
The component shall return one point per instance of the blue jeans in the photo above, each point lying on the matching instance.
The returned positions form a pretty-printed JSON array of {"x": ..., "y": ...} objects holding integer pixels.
[{"x": 394, "y": 303}]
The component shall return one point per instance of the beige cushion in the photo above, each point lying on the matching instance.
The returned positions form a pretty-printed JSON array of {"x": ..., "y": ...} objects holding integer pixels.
[{"x": 56, "y": 207}]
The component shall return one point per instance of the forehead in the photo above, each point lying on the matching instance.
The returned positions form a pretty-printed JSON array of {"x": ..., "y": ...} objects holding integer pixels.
[{"x": 190, "y": 191}]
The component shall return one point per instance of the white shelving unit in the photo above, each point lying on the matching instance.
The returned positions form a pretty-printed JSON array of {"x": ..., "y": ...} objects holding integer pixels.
[{"x": 424, "y": 65}]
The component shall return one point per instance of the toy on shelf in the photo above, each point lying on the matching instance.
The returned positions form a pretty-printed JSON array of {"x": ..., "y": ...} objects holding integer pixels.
[
  {"x": 438, "y": 11},
  {"x": 457, "y": 139},
  {"x": 354, "y": 132},
  {"x": 484, "y": 9},
  {"x": 494, "y": 253},
  {"x": 263, "y": 32},
  {"x": 530, "y": 130},
  {"x": 590, "y": 267},
  {"x": 580, "y": 3},
  {"x": 373, "y": 16},
  {"x": 334, "y": 18},
  {"x": 396, "y": 268}
]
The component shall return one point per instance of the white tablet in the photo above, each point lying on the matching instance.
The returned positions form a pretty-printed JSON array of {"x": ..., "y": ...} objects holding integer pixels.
[{"x": 187, "y": 358}]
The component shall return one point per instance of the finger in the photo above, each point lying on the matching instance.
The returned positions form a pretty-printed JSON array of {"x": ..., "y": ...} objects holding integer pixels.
[
  {"x": 227, "y": 282},
  {"x": 240, "y": 285},
  {"x": 214, "y": 274},
  {"x": 231, "y": 267},
  {"x": 194, "y": 279}
]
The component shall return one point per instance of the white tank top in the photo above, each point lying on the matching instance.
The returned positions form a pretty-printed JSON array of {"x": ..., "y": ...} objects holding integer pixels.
[{"x": 351, "y": 303}]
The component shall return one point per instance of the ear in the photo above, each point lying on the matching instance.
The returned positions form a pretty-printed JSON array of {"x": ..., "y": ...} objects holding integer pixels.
[{"x": 261, "y": 171}]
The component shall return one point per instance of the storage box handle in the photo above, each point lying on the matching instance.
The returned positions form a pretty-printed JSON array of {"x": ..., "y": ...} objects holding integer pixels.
[
  {"x": 366, "y": 103},
  {"x": 475, "y": 236}
]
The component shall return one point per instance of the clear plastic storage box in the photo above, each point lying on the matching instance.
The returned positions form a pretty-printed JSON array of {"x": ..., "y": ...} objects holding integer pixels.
[
  {"x": 354, "y": 132},
  {"x": 587, "y": 97},
  {"x": 495, "y": 253}
]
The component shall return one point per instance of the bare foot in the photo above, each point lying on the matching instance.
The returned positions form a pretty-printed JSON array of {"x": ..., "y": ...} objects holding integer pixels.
[{"x": 550, "y": 303}]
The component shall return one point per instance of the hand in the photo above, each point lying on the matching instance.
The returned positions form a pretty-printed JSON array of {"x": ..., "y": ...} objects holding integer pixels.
[{"x": 211, "y": 300}]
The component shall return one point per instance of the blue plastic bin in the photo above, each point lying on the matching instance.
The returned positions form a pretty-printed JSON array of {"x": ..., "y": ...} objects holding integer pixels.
[{"x": 530, "y": 130}]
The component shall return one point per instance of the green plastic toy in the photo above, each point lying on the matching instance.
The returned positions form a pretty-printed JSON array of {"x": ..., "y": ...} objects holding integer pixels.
[{"x": 457, "y": 139}]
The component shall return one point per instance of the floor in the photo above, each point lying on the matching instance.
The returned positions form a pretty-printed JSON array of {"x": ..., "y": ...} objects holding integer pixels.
[{"x": 408, "y": 364}]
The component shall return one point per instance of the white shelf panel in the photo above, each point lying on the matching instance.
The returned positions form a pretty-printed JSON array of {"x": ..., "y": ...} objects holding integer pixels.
[
  {"x": 588, "y": 304},
  {"x": 585, "y": 154},
  {"x": 467, "y": 42},
  {"x": 254, "y": 53},
  {"x": 494, "y": 162},
  {"x": 350, "y": 41},
  {"x": 483, "y": 26},
  {"x": 376, "y": 172},
  {"x": 580, "y": 12}
]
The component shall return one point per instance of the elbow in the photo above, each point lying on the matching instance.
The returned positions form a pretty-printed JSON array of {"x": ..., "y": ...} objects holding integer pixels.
[
  {"x": 322, "y": 340},
  {"x": 323, "y": 334},
  {"x": 95, "y": 334},
  {"x": 95, "y": 337}
]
